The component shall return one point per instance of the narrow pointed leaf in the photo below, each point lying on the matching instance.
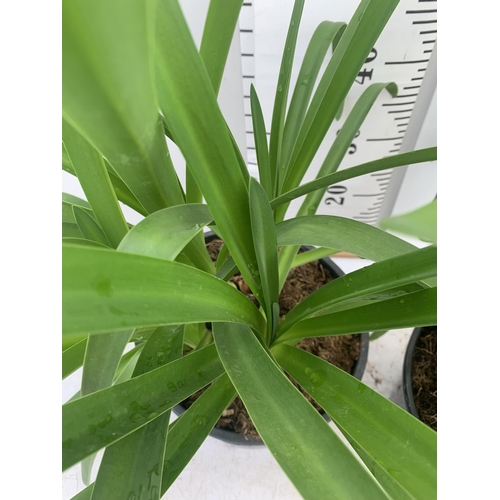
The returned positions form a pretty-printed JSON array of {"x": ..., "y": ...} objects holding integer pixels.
[
  {"x": 105, "y": 290},
  {"x": 85, "y": 494},
  {"x": 314, "y": 458},
  {"x": 101, "y": 360},
  {"x": 261, "y": 148},
  {"x": 96, "y": 184},
  {"x": 343, "y": 140},
  {"x": 75, "y": 200},
  {"x": 70, "y": 230},
  {"x": 412, "y": 310},
  {"x": 189, "y": 431},
  {"x": 386, "y": 275},
  {"x": 123, "y": 193},
  {"x": 347, "y": 235},
  {"x": 401, "y": 160},
  {"x": 72, "y": 358},
  {"x": 104, "y": 417},
  {"x": 266, "y": 246},
  {"x": 124, "y": 370},
  {"x": 102, "y": 357},
  {"x": 133, "y": 465},
  {"x": 89, "y": 228},
  {"x": 326, "y": 36},
  {"x": 312, "y": 255},
  {"x": 109, "y": 98},
  {"x": 421, "y": 223},
  {"x": 218, "y": 32},
  {"x": 355, "y": 45},
  {"x": 281, "y": 97},
  {"x": 398, "y": 443},
  {"x": 83, "y": 242},
  {"x": 67, "y": 212},
  {"x": 165, "y": 233},
  {"x": 162, "y": 347},
  {"x": 189, "y": 105}
]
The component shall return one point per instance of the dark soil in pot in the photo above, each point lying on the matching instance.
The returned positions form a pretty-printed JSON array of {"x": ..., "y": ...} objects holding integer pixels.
[
  {"x": 420, "y": 375},
  {"x": 342, "y": 351}
]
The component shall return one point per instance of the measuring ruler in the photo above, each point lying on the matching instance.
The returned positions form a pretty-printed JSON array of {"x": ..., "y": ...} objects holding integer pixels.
[{"x": 404, "y": 54}]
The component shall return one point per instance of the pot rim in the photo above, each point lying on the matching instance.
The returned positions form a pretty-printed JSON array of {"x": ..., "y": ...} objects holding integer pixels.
[{"x": 407, "y": 373}]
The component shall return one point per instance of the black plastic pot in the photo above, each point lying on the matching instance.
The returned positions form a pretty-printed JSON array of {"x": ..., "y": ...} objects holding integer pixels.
[
  {"x": 407, "y": 376},
  {"x": 357, "y": 371}
]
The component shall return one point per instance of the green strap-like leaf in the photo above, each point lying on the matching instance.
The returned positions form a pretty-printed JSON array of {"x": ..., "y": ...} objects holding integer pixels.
[
  {"x": 102, "y": 357},
  {"x": 386, "y": 275},
  {"x": 83, "y": 242},
  {"x": 94, "y": 179},
  {"x": 218, "y": 32},
  {"x": 162, "y": 347},
  {"x": 75, "y": 200},
  {"x": 190, "y": 107},
  {"x": 261, "y": 148},
  {"x": 343, "y": 140},
  {"x": 412, "y": 310},
  {"x": 326, "y": 35},
  {"x": 85, "y": 494},
  {"x": 266, "y": 247},
  {"x": 401, "y": 160},
  {"x": 312, "y": 255},
  {"x": 402, "y": 446},
  {"x": 105, "y": 290},
  {"x": 67, "y": 212},
  {"x": 190, "y": 430},
  {"x": 421, "y": 223},
  {"x": 127, "y": 363},
  {"x": 355, "y": 45},
  {"x": 165, "y": 233},
  {"x": 89, "y": 228},
  {"x": 307, "y": 449},
  {"x": 101, "y": 360},
  {"x": 133, "y": 465},
  {"x": 123, "y": 193},
  {"x": 345, "y": 234},
  {"x": 104, "y": 417},
  {"x": 72, "y": 358},
  {"x": 109, "y": 97},
  {"x": 70, "y": 230},
  {"x": 281, "y": 97}
]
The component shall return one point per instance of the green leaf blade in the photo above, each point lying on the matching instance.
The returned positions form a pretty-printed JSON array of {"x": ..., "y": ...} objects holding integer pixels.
[
  {"x": 357, "y": 40},
  {"x": 403, "y": 447},
  {"x": 96, "y": 184},
  {"x": 412, "y": 310},
  {"x": 266, "y": 245},
  {"x": 385, "y": 275},
  {"x": 189, "y": 104},
  {"x": 109, "y": 98},
  {"x": 421, "y": 223},
  {"x": 326, "y": 35},
  {"x": 133, "y": 465},
  {"x": 89, "y": 228},
  {"x": 191, "y": 429},
  {"x": 307, "y": 449},
  {"x": 105, "y": 291},
  {"x": 261, "y": 148},
  {"x": 400, "y": 160},
  {"x": 165, "y": 233},
  {"x": 104, "y": 417},
  {"x": 281, "y": 97},
  {"x": 72, "y": 358}
]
